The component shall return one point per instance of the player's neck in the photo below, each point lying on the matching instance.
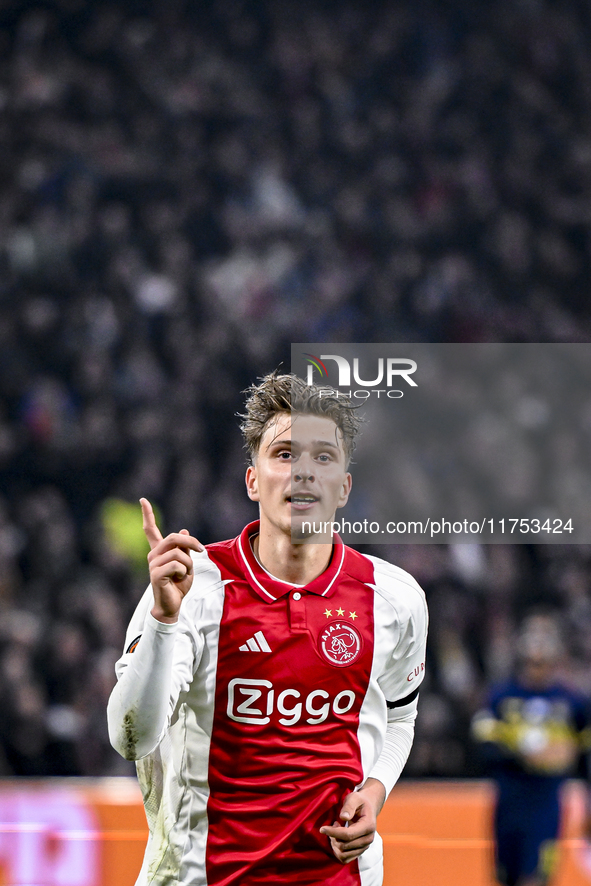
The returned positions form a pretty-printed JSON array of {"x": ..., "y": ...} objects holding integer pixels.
[{"x": 295, "y": 563}]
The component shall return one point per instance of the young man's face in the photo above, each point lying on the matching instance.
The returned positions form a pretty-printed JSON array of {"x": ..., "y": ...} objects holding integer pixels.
[
  {"x": 537, "y": 671},
  {"x": 300, "y": 473}
]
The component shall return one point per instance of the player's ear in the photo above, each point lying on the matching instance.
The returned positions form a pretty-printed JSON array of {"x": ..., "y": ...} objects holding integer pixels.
[
  {"x": 252, "y": 486},
  {"x": 345, "y": 490}
]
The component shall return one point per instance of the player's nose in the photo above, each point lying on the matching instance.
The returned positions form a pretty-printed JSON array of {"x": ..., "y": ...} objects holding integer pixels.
[
  {"x": 303, "y": 475},
  {"x": 303, "y": 471}
]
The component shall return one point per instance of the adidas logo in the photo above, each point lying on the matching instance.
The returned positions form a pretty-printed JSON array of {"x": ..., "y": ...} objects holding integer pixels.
[{"x": 256, "y": 644}]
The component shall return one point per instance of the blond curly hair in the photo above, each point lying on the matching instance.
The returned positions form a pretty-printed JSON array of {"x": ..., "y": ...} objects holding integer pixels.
[{"x": 287, "y": 393}]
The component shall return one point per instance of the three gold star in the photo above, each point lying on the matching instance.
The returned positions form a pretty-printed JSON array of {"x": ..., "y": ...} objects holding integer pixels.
[{"x": 340, "y": 613}]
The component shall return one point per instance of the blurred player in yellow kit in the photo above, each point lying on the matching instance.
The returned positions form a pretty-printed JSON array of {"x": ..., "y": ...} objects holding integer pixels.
[{"x": 532, "y": 736}]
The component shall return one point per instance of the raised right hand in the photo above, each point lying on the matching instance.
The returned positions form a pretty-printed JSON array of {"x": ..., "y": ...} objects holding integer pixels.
[{"x": 171, "y": 566}]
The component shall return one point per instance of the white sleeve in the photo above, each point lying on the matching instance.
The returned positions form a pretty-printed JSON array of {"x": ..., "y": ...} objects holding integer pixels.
[
  {"x": 405, "y": 667},
  {"x": 158, "y": 664},
  {"x": 404, "y": 619},
  {"x": 397, "y": 744}
]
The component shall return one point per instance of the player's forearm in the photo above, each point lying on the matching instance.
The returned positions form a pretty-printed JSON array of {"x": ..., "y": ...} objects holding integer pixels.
[
  {"x": 138, "y": 707},
  {"x": 397, "y": 747}
]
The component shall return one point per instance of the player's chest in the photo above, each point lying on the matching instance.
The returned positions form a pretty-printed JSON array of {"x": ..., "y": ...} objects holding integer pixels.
[{"x": 301, "y": 635}]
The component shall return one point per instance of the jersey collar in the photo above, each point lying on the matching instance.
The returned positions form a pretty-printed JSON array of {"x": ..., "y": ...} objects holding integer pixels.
[{"x": 270, "y": 588}]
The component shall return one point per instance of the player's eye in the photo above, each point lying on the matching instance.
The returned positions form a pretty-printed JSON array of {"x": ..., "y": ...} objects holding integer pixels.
[{"x": 284, "y": 454}]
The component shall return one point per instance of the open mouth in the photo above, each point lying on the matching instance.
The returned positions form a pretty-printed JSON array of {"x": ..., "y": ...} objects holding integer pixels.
[{"x": 302, "y": 499}]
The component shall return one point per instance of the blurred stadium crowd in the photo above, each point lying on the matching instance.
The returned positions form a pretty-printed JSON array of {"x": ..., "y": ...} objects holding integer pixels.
[{"x": 185, "y": 189}]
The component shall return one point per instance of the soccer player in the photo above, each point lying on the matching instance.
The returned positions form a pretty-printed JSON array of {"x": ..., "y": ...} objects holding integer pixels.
[
  {"x": 268, "y": 688},
  {"x": 533, "y": 734}
]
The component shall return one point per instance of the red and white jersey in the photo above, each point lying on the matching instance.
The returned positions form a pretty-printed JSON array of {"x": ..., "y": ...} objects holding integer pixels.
[{"x": 254, "y": 717}]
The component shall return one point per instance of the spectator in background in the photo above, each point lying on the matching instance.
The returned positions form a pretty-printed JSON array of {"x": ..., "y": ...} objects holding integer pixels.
[{"x": 533, "y": 734}]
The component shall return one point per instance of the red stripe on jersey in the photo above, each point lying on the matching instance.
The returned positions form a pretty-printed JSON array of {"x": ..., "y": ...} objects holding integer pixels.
[{"x": 284, "y": 750}]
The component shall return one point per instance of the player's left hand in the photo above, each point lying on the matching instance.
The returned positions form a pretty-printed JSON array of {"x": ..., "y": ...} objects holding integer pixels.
[{"x": 359, "y": 814}]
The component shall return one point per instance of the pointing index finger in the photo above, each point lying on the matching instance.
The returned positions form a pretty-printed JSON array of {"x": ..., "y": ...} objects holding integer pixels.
[{"x": 151, "y": 531}]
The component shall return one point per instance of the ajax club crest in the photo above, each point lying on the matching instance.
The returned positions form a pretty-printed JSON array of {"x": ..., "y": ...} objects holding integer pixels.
[{"x": 340, "y": 644}]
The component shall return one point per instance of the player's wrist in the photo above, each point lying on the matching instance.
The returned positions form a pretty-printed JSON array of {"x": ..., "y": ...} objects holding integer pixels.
[
  {"x": 375, "y": 792},
  {"x": 164, "y": 617}
]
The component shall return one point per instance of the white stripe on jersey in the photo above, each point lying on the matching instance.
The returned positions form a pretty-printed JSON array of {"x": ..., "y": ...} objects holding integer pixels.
[
  {"x": 251, "y": 573},
  {"x": 338, "y": 572}
]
